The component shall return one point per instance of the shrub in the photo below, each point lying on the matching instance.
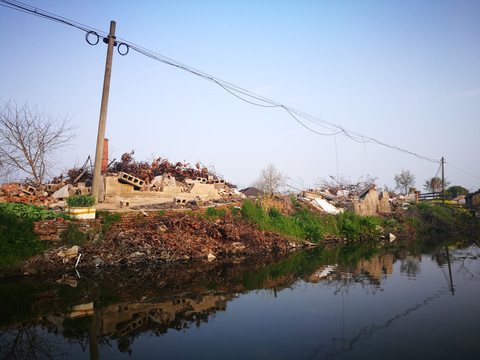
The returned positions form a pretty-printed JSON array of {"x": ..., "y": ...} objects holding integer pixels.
[{"x": 17, "y": 240}]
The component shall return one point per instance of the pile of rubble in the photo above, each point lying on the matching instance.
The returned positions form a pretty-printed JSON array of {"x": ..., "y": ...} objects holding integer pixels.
[
  {"x": 129, "y": 182},
  {"x": 164, "y": 238},
  {"x": 50, "y": 195},
  {"x": 368, "y": 202}
]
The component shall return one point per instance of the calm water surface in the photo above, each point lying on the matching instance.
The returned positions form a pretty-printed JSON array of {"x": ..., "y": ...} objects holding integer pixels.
[{"x": 312, "y": 305}]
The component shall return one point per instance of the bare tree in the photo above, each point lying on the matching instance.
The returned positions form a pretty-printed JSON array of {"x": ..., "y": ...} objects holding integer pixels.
[
  {"x": 29, "y": 140},
  {"x": 345, "y": 182},
  {"x": 404, "y": 181},
  {"x": 270, "y": 180},
  {"x": 435, "y": 184}
]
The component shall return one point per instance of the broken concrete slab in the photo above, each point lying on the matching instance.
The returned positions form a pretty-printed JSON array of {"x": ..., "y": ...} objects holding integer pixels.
[
  {"x": 64, "y": 192},
  {"x": 60, "y": 205},
  {"x": 327, "y": 207},
  {"x": 70, "y": 253}
]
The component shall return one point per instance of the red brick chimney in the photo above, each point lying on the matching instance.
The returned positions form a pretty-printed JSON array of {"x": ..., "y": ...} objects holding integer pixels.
[{"x": 105, "y": 156}]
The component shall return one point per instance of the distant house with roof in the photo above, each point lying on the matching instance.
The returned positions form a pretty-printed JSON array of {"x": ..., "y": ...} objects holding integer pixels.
[
  {"x": 252, "y": 192},
  {"x": 473, "y": 198}
]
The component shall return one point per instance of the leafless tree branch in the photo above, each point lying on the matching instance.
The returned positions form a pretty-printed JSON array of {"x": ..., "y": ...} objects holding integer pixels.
[{"x": 29, "y": 140}]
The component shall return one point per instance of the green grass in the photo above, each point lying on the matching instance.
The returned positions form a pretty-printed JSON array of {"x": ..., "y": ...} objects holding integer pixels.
[
  {"x": 212, "y": 213},
  {"x": 307, "y": 225},
  {"x": 433, "y": 217}
]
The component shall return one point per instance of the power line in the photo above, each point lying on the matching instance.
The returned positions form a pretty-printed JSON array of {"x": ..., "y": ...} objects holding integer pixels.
[
  {"x": 465, "y": 172},
  {"x": 231, "y": 88},
  {"x": 240, "y": 93},
  {"x": 22, "y": 7}
]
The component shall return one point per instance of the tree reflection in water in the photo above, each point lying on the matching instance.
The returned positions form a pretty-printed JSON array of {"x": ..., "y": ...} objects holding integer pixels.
[{"x": 106, "y": 308}]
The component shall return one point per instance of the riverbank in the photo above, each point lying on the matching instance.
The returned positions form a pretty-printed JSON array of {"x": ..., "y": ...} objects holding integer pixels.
[{"x": 248, "y": 228}]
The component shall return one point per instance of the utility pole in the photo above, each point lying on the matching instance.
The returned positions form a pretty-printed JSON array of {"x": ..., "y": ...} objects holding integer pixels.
[
  {"x": 443, "y": 181},
  {"x": 103, "y": 114}
]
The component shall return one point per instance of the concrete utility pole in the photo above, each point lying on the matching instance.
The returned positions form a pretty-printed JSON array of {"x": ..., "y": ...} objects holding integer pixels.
[
  {"x": 103, "y": 114},
  {"x": 443, "y": 181}
]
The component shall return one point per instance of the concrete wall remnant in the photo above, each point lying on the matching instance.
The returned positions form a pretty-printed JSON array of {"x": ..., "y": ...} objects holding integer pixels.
[
  {"x": 370, "y": 205},
  {"x": 384, "y": 203},
  {"x": 219, "y": 184},
  {"x": 114, "y": 188}
]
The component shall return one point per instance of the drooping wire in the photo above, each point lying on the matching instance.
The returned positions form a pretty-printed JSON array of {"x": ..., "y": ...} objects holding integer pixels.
[
  {"x": 236, "y": 91},
  {"x": 465, "y": 172},
  {"x": 19, "y": 6},
  {"x": 438, "y": 170}
]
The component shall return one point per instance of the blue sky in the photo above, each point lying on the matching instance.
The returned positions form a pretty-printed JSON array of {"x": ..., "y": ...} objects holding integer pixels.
[{"x": 403, "y": 72}]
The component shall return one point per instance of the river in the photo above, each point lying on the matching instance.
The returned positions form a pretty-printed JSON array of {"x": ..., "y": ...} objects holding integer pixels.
[{"x": 361, "y": 303}]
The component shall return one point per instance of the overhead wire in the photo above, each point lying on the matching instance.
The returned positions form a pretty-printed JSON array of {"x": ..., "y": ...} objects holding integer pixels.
[
  {"x": 465, "y": 172},
  {"x": 22, "y": 7},
  {"x": 231, "y": 88},
  {"x": 240, "y": 93}
]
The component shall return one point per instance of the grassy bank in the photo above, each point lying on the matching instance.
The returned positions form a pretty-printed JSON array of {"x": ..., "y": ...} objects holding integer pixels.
[
  {"x": 315, "y": 227},
  {"x": 19, "y": 242}
]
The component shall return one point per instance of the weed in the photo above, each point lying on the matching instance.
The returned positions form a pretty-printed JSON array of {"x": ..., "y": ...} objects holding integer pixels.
[
  {"x": 235, "y": 211},
  {"x": 73, "y": 236},
  {"x": 213, "y": 213},
  {"x": 108, "y": 220}
]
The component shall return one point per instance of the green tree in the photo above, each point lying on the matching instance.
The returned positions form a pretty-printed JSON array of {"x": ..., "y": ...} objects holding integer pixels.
[
  {"x": 404, "y": 181},
  {"x": 455, "y": 191}
]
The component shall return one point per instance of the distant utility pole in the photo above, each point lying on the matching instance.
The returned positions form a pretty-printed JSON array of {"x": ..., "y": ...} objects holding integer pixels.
[
  {"x": 443, "y": 181},
  {"x": 103, "y": 114}
]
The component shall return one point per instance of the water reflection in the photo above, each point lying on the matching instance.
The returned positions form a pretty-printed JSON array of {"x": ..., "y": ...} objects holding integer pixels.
[{"x": 95, "y": 313}]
